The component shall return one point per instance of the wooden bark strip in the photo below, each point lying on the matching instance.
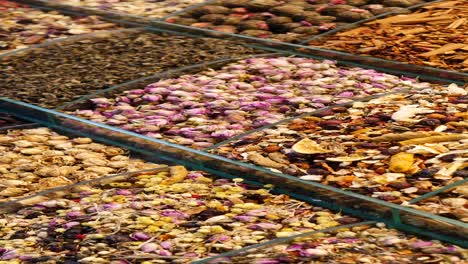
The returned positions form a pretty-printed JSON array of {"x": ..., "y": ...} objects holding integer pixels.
[
  {"x": 458, "y": 23},
  {"x": 443, "y": 49},
  {"x": 390, "y": 20},
  {"x": 352, "y": 31},
  {"x": 422, "y": 20},
  {"x": 412, "y": 31},
  {"x": 406, "y": 38}
]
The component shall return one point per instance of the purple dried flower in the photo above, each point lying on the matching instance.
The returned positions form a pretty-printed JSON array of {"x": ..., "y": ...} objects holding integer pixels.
[
  {"x": 295, "y": 247},
  {"x": 149, "y": 247},
  {"x": 70, "y": 224},
  {"x": 166, "y": 244},
  {"x": 111, "y": 206},
  {"x": 101, "y": 101},
  {"x": 177, "y": 118},
  {"x": 137, "y": 205},
  {"x": 244, "y": 218},
  {"x": 73, "y": 214},
  {"x": 151, "y": 97},
  {"x": 196, "y": 111},
  {"x": 174, "y": 214},
  {"x": 345, "y": 94},
  {"x": 421, "y": 244},
  {"x": 223, "y": 134},
  {"x": 264, "y": 226},
  {"x": 123, "y": 192},
  {"x": 139, "y": 236},
  {"x": 137, "y": 92},
  {"x": 257, "y": 212},
  {"x": 164, "y": 252}
]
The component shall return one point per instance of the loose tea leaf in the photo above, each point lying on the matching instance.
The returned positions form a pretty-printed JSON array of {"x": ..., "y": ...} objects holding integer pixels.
[
  {"x": 290, "y": 20},
  {"x": 62, "y": 72},
  {"x": 436, "y": 35},
  {"x": 21, "y": 26}
]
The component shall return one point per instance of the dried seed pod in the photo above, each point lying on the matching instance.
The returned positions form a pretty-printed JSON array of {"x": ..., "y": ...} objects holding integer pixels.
[
  {"x": 287, "y": 10},
  {"x": 261, "y": 5}
]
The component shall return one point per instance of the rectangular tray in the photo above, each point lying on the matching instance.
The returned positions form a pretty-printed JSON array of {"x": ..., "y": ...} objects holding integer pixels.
[
  {"x": 248, "y": 95},
  {"x": 425, "y": 73},
  {"x": 329, "y": 197}
]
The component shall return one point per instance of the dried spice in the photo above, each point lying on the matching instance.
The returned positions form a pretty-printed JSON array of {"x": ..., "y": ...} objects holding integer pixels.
[
  {"x": 37, "y": 159},
  {"x": 22, "y": 26},
  {"x": 144, "y": 8},
  {"x": 137, "y": 218},
  {"x": 288, "y": 21},
  {"x": 65, "y": 71},
  {"x": 360, "y": 244},
  {"x": 434, "y": 36},
  {"x": 368, "y": 149},
  {"x": 206, "y": 108}
]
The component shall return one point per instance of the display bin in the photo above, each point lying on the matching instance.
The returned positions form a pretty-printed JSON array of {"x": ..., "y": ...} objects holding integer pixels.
[
  {"x": 166, "y": 213},
  {"x": 237, "y": 95},
  {"x": 30, "y": 26},
  {"x": 435, "y": 38},
  {"x": 63, "y": 70},
  {"x": 141, "y": 13},
  {"x": 36, "y": 159},
  {"x": 365, "y": 241},
  {"x": 289, "y": 21},
  {"x": 325, "y": 196},
  {"x": 394, "y": 67},
  {"x": 372, "y": 148}
]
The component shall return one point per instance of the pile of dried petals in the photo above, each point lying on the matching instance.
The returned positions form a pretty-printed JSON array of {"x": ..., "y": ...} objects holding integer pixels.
[
  {"x": 395, "y": 148},
  {"x": 33, "y": 160},
  {"x": 289, "y": 20},
  {"x": 202, "y": 109},
  {"x": 21, "y": 26},
  {"x": 437, "y": 36},
  {"x": 143, "y": 8},
  {"x": 168, "y": 216},
  {"x": 360, "y": 244}
]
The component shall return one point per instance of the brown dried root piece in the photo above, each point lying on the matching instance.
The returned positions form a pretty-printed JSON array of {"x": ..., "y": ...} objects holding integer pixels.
[
  {"x": 434, "y": 139},
  {"x": 404, "y": 136},
  {"x": 263, "y": 161}
]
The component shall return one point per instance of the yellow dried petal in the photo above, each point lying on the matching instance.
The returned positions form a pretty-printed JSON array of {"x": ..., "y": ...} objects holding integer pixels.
[{"x": 401, "y": 162}]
